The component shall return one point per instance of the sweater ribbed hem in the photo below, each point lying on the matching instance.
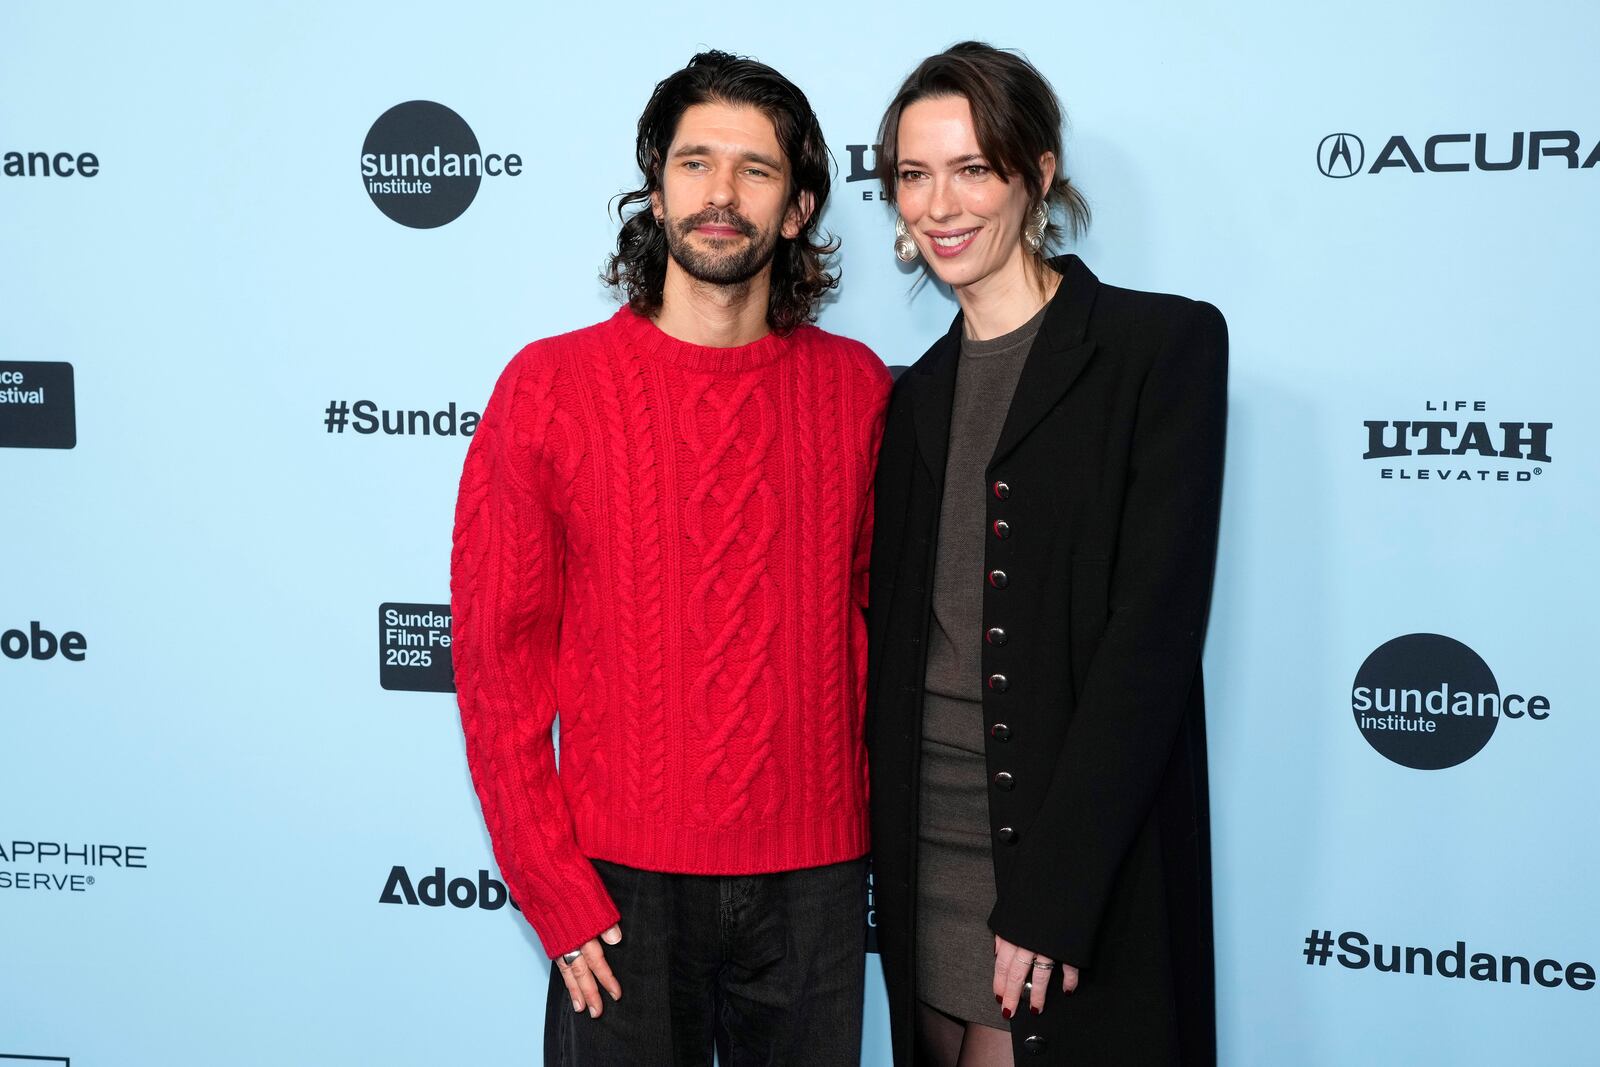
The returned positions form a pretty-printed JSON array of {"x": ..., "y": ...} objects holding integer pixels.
[{"x": 747, "y": 847}]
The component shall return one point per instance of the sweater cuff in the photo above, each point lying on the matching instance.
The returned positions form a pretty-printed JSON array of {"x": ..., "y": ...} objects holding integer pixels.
[{"x": 584, "y": 912}]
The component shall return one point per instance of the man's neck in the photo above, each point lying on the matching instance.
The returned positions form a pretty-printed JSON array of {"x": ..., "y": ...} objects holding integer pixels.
[{"x": 717, "y": 316}]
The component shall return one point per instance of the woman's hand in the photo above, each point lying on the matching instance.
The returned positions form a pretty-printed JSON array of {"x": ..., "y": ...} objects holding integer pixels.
[
  {"x": 1015, "y": 967},
  {"x": 588, "y": 972}
]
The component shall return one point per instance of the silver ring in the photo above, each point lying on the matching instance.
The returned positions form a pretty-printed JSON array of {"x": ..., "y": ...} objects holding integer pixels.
[
  {"x": 569, "y": 958},
  {"x": 1043, "y": 965}
]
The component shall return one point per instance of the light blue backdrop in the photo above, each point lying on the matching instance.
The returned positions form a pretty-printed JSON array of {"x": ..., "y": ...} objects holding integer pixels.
[{"x": 224, "y": 277}]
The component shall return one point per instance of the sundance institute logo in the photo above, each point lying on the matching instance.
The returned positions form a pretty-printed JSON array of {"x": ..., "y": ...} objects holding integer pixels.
[
  {"x": 1429, "y": 702},
  {"x": 421, "y": 164}
]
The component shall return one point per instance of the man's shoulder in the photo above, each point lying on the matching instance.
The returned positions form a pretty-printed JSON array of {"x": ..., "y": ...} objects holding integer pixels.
[
  {"x": 542, "y": 371},
  {"x": 860, "y": 362},
  {"x": 553, "y": 350}
]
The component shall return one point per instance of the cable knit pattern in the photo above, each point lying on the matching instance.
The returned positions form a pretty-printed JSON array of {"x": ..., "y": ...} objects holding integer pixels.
[
  {"x": 662, "y": 545},
  {"x": 835, "y": 551}
]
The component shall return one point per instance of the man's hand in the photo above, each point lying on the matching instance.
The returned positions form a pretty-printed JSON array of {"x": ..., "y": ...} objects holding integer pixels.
[
  {"x": 1016, "y": 967},
  {"x": 588, "y": 968}
]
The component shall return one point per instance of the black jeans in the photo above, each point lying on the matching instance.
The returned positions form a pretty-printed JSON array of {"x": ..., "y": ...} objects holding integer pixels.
[{"x": 767, "y": 969}]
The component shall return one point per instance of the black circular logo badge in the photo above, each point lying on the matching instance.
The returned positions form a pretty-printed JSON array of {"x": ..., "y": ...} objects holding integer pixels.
[
  {"x": 1426, "y": 701},
  {"x": 421, "y": 164},
  {"x": 1340, "y": 155}
]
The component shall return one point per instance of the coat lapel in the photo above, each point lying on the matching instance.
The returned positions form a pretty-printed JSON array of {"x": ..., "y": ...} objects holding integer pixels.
[
  {"x": 1058, "y": 356},
  {"x": 935, "y": 381}
]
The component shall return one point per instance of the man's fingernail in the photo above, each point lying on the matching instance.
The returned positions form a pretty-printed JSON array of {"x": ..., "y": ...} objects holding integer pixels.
[
  {"x": 594, "y": 1013},
  {"x": 610, "y": 938},
  {"x": 1005, "y": 1013},
  {"x": 577, "y": 1005}
]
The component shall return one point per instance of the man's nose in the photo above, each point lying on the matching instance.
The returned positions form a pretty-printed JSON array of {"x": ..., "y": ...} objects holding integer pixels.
[{"x": 721, "y": 191}]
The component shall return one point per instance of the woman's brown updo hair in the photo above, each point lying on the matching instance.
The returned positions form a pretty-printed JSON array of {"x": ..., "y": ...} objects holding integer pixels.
[{"x": 1015, "y": 114}]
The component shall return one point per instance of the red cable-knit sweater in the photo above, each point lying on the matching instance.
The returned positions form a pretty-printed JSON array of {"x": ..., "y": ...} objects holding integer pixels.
[{"x": 666, "y": 545}]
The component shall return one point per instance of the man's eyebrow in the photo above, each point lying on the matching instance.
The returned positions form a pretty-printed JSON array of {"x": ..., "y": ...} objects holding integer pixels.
[{"x": 707, "y": 150}]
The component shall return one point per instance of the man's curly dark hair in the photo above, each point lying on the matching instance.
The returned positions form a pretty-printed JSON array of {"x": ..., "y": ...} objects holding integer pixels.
[{"x": 801, "y": 266}]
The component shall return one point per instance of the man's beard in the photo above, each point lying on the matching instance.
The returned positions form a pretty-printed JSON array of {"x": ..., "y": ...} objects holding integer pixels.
[{"x": 734, "y": 267}]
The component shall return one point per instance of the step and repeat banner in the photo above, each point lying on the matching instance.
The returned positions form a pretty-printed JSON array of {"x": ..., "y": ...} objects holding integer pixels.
[{"x": 241, "y": 362}]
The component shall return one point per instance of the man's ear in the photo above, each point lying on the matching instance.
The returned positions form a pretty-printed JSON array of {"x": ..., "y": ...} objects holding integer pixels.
[
  {"x": 656, "y": 207},
  {"x": 799, "y": 213}
]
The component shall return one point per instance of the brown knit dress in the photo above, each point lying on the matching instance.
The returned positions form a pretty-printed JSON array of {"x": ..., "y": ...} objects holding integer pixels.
[{"x": 955, "y": 866}]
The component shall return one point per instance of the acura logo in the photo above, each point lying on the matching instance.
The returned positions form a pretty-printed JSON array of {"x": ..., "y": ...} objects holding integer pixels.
[{"x": 1340, "y": 155}]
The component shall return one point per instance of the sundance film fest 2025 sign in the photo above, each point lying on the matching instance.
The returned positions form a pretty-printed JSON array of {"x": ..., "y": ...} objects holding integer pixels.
[{"x": 36, "y": 405}]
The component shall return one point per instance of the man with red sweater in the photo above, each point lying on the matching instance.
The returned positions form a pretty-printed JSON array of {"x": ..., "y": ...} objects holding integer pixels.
[{"x": 662, "y": 538}]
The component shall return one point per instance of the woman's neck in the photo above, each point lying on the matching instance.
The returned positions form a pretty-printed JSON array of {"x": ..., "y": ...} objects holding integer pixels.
[{"x": 994, "y": 306}]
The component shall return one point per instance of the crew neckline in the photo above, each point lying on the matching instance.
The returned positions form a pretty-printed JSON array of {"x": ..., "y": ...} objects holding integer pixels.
[
  {"x": 653, "y": 341},
  {"x": 997, "y": 345}
]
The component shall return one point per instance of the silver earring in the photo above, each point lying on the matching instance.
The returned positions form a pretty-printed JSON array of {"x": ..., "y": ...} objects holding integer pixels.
[
  {"x": 1033, "y": 237},
  {"x": 905, "y": 249}
]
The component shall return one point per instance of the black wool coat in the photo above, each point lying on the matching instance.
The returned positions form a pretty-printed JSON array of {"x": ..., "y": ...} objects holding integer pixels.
[{"x": 1102, "y": 499}]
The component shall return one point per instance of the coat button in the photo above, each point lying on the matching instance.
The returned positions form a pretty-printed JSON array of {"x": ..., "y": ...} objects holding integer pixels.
[
  {"x": 1007, "y": 835},
  {"x": 995, "y": 636},
  {"x": 1002, "y": 490},
  {"x": 1002, "y": 529},
  {"x": 1004, "y": 782},
  {"x": 999, "y": 683},
  {"x": 1034, "y": 1045},
  {"x": 1000, "y": 732},
  {"x": 998, "y": 579}
]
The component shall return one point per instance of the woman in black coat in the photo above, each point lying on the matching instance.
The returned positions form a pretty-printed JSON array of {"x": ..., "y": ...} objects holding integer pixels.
[{"x": 1047, "y": 500}]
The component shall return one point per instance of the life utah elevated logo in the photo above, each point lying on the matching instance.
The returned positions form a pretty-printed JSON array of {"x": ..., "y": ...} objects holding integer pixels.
[
  {"x": 1456, "y": 440},
  {"x": 422, "y": 164}
]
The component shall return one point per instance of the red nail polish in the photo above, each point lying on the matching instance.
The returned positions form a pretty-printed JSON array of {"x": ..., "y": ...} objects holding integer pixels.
[
  {"x": 1005, "y": 1013},
  {"x": 998, "y": 999},
  {"x": 1033, "y": 1009}
]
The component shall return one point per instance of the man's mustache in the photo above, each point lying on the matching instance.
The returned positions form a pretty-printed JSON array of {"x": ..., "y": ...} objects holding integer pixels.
[{"x": 714, "y": 217}]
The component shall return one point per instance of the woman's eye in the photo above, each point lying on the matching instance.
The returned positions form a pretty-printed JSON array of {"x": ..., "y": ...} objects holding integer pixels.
[{"x": 910, "y": 175}]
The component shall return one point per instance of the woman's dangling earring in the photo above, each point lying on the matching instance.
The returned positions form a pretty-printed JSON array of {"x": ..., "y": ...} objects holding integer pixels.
[
  {"x": 1033, "y": 237},
  {"x": 905, "y": 249}
]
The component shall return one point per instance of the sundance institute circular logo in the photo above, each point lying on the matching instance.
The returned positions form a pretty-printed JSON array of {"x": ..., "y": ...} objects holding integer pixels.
[
  {"x": 1426, "y": 701},
  {"x": 421, "y": 164}
]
